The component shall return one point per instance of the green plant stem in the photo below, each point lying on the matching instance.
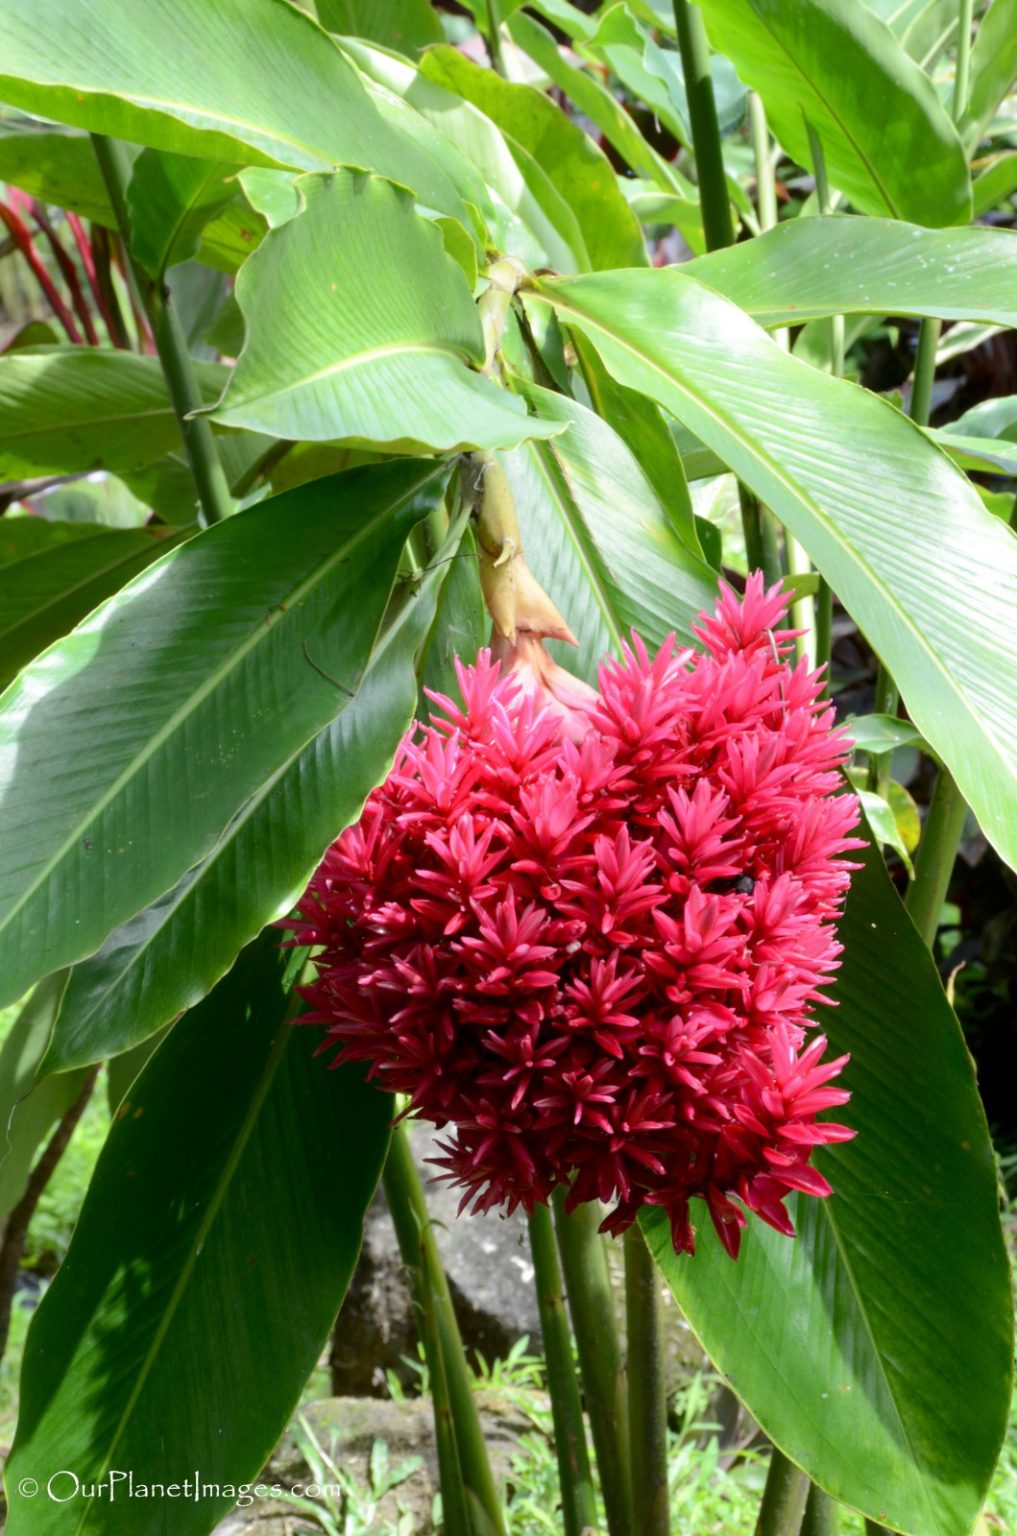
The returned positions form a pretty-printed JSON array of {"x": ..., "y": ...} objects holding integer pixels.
[
  {"x": 821, "y": 1514},
  {"x": 405, "y": 1195},
  {"x": 941, "y": 835},
  {"x": 766, "y": 187},
  {"x": 579, "y": 1502},
  {"x": 925, "y": 371},
  {"x": 647, "y": 1389},
  {"x": 713, "y": 199},
  {"x": 206, "y": 467},
  {"x": 492, "y": 37},
  {"x": 784, "y": 1498},
  {"x": 962, "y": 75},
  {"x": 759, "y": 529},
  {"x": 591, "y": 1304}
]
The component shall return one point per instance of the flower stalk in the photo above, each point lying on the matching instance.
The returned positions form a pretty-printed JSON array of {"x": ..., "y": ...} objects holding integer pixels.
[
  {"x": 784, "y": 1498},
  {"x": 647, "y": 1389},
  {"x": 443, "y": 1344},
  {"x": 706, "y": 146},
  {"x": 579, "y": 1502},
  {"x": 602, "y": 1367}
]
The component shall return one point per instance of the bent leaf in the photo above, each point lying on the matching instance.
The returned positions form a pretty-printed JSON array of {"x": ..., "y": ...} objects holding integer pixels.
[
  {"x": 853, "y": 1343},
  {"x": 806, "y": 269},
  {"x": 227, "y": 1204},
  {"x": 887, "y": 140},
  {"x": 791, "y": 434},
  {"x": 384, "y": 362},
  {"x": 170, "y": 955},
  {"x": 127, "y": 748}
]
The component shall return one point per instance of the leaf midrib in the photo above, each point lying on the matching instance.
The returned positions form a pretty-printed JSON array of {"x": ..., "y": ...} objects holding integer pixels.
[
  {"x": 357, "y": 360},
  {"x": 799, "y": 494},
  {"x": 215, "y": 678}
]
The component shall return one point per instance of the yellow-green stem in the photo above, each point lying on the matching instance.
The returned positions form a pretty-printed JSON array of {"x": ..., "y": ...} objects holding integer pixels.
[
  {"x": 647, "y": 1389},
  {"x": 784, "y": 1498},
  {"x": 591, "y": 1305},
  {"x": 412, "y": 1222},
  {"x": 821, "y": 1514},
  {"x": 578, "y": 1500},
  {"x": 962, "y": 73},
  {"x": 934, "y": 861},
  {"x": 706, "y": 145},
  {"x": 213, "y": 492}
]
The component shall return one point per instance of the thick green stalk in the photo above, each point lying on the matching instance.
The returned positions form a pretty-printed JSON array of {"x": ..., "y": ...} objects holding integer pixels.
[
  {"x": 492, "y": 37},
  {"x": 647, "y": 1389},
  {"x": 706, "y": 145},
  {"x": 578, "y": 1499},
  {"x": 766, "y": 187},
  {"x": 962, "y": 73},
  {"x": 759, "y": 529},
  {"x": 784, "y": 1498},
  {"x": 591, "y": 1304},
  {"x": 821, "y": 1514},
  {"x": 412, "y": 1222},
  {"x": 181, "y": 385},
  {"x": 937, "y": 851}
]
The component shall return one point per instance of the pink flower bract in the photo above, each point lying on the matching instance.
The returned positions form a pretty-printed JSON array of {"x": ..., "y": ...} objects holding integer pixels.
[{"x": 586, "y": 939}]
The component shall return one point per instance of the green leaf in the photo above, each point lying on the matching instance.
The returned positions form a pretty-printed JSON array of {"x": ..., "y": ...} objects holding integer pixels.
[
  {"x": 575, "y": 165},
  {"x": 171, "y": 954},
  {"x": 129, "y": 747},
  {"x": 983, "y": 454},
  {"x": 806, "y": 269},
  {"x": 43, "y": 596},
  {"x": 227, "y": 1205},
  {"x": 597, "y": 102},
  {"x": 886, "y": 828},
  {"x": 793, "y": 435},
  {"x": 407, "y": 26},
  {"x": 993, "y": 68},
  {"x": 25, "y": 534},
  {"x": 995, "y": 184},
  {"x": 878, "y": 734},
  {"x": 165, "y": 73},
  {"x": 854, "y": 1343},
  {"x": 30, "y": 1106},
  {"x": 596, "y": 536},
  {"x": 923, "y": 27},
  {"x": 68, "y": 409},
  {"x": 170, "y": 199},
  {"x": 887, "y": 140},
  {"x": 55, "y": 166},
  {"x": 380, "y": 360}
]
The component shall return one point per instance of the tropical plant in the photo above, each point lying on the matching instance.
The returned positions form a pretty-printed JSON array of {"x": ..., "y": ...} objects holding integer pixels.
[{"x": 302, "y": 287}]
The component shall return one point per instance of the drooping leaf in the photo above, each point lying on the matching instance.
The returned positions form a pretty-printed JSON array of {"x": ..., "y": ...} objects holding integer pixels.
[
  {"x": 30, "y": 1106},
  {"x": 809, "y": 268},
  {"x": 170, "y": 955},
  {"x": 68, "y": 409},
  {"x": 878, "y": 734},
  {"x": 579, "y": 170},
  {"x": 127, "y": 749},
  {"x": 43, "y": 596},
  {"x": 381, "y": 360},
  {"x": 888, "y": 142},
  {"x": 170, "y": 199},
  {"x": 792, "y": 434},
  {"x": 407, "y": 27},
  {"x": 596, "y": 535},
  {"x": 227, "y": 1205},
  {"x": 166, "y": 73},
  {"x": 853, "y": 1343},
  {"x": 993, "y": 68},
  {"x": 524, "y": 213}
]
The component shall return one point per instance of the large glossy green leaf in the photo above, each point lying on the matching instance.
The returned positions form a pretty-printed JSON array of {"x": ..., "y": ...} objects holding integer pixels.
[
  {"x": 382, "y": 355},
  {"x": 854, "y": 1343},
  {"x": 168, "y": 73},
  {"x": 597, "y": 537},
  {"x": 25, "y": 534},
  {"x": 579, "y": 170},
  {"x": 127, "y": 748},
  {"x": 216, "y": 1241},
  {"x": 886, "y": 137},
  {"x": 29, "y": 1105},
  {"x": 993, "y": 68},
  {"x": 808, "y": 268},
  {"x": 861, "y": 487},
  {"x": 170, "y": 199},
  {"x": 406, "y": 26},
  {"x": 525, "y": 214},
  {"x": 67, "y": 409},
  {"x": 170, "y": 955},
  {"x": 46, "y": 594}
]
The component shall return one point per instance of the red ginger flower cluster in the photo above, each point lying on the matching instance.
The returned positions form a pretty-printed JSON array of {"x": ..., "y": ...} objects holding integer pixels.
[{"x": 586, "y": 940}]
